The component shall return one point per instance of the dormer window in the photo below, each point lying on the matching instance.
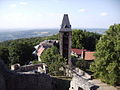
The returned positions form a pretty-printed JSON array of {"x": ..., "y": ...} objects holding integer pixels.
[{"x": 65, "y": 26}]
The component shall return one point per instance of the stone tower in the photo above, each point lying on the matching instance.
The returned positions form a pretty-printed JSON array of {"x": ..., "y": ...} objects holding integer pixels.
[{"x": 65, "y": 39}]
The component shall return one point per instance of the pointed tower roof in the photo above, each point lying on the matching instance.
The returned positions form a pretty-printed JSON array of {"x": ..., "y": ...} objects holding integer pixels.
[{"x": 65, "y": 24}]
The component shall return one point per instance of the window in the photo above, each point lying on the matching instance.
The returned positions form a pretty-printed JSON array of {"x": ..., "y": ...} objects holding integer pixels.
[{"x": 79, "y": 88}]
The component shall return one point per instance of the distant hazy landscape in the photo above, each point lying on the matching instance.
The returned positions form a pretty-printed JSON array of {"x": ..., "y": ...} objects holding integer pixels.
[{"x": 16, "y": 34}]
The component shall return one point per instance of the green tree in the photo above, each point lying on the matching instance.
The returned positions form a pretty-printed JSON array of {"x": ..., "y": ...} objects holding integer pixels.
[
  {"x": 4, "y": 54},
  {"x": 84, "y": 40},
  {"x": 20, "y": 52},
  {"x": 54, "y": 61},
  {"x": 90, "y": 40},
  {"x": 107, "y": 63},
  {"x": 21, "y": 49},
  {"x": 77, "y": 39},
  {"x": 82, "y": 64}
]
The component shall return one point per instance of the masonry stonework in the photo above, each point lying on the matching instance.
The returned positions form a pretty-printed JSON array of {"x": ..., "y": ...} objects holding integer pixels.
[
  {"x": 15, "y": 81},
  {"x": 65, "y": 39}
]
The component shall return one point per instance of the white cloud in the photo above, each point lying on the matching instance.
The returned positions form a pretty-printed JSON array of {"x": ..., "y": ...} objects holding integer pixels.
[
  {"x": 23, "y": 3},
  {"x": 82, "y": 10},
  {"x": 13, "y": 5},
  {"x": 103, "y": 14}
]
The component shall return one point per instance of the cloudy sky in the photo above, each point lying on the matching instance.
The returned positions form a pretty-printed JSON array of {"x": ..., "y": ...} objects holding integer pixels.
[{"x": 49, "y": 13}]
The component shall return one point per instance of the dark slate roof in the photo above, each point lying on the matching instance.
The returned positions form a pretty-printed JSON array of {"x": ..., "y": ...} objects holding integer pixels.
[{"x": 65, "y": 24}]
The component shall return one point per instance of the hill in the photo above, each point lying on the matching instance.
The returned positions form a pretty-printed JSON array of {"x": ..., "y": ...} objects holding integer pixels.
[{"x": 20, "y": 33}]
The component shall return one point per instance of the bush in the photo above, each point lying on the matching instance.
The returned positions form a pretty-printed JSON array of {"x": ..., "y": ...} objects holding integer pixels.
[
  {"x": 82, "y": 64},
  {"x": 54, "y": 61}
]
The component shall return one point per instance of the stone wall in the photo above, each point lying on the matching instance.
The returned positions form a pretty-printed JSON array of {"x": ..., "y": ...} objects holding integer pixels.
[
  {"x": 10, "y": 80},
  {"x": 70, "y": 72},
  {"x": 2, "y": 83},
  {"x": 79, "y": 83},
  {"x": 28, "y": 82},
  {"x": 61, "y": 84}
]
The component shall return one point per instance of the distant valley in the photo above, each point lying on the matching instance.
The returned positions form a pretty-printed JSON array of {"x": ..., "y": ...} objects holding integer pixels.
[{"x": 11, "y": 35}]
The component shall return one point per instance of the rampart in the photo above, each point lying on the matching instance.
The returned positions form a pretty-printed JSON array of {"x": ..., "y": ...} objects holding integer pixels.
[{"x": 10, "y": 80}]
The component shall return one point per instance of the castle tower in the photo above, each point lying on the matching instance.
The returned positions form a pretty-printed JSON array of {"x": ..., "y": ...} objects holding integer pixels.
[{"x": 65, "y": 39}]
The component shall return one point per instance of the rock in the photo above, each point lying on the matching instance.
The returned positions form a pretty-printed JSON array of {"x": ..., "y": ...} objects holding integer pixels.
[{"x": 79, "y": 83}]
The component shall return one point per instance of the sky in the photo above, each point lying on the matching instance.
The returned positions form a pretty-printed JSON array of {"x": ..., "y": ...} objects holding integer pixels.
[{"x": 31, "y": 14}]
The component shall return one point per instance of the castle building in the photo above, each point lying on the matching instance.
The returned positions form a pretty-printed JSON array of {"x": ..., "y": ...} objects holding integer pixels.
[{"x": 65, "y": 39}]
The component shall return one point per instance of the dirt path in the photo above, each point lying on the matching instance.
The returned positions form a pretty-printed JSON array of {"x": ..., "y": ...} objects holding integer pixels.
[{"x": 102, "y": 86}]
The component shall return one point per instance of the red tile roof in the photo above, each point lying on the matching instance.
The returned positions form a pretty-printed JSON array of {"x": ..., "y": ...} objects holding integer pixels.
[
  {"x": 89, "y": 55},
  {"x": 78, "y": 51},
  {"x": 40, "y": 50}
]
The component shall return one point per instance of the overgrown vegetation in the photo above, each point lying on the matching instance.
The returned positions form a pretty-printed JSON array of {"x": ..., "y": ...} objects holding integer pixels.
[
  {"x": 20, "y": 50},
  {"x": 107, "y": 63},
  {"x": 54, "y": 61},
  {"x": 80, "y": 63},
  {"x": 83, "y": 39}
]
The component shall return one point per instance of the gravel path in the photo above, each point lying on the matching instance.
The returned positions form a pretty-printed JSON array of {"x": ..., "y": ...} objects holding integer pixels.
[{"x": 102, "y": 86}]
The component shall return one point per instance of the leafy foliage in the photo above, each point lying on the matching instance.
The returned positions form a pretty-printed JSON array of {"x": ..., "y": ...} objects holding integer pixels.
[
  {"x": 82, "y": 64},
  {"x": 4, "y": 54},
  {"x": 35, "y": 62},
  {"x": 84, "y": 40},
  {"x": 107, "y": 63},
  {"x": 20, "y": 50},
  {"x": 77, "y": 39},
  {"x": 54, "y": 61},
  {"x": 20, "y": 53}
]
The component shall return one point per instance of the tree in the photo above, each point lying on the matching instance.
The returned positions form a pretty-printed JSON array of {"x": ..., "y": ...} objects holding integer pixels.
[
  {"x": 84, "y": 40},
  {"x": 107, "y": 63},
  {"x": 20, "y": 52},
  {"x": 54, "y": 61},
  {"x": 77, "y": 39},
  {"x": 82, "y": 64},
  {"x": 21, "y": 49},
  {"x": 90, "y": 40},
  {"x": 4, "y": 54}
]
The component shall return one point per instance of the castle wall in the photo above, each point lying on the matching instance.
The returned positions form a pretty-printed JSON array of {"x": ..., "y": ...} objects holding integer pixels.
[
  {"x": 29, "y": 82},
  {"x": 2, "y": 83},
  {"x": 15, "y": 81}
]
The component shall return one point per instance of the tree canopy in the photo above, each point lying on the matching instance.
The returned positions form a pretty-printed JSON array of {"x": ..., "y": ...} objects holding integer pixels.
[
  {"x": 4, "y": 54},
  {"x": 20, "y": 53},
  {"x": 20, "y": 50},
  {"x": 83, "y": 39},
  {"x": 107, "y": 63},
  {"x": 53, "y": 59}
]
